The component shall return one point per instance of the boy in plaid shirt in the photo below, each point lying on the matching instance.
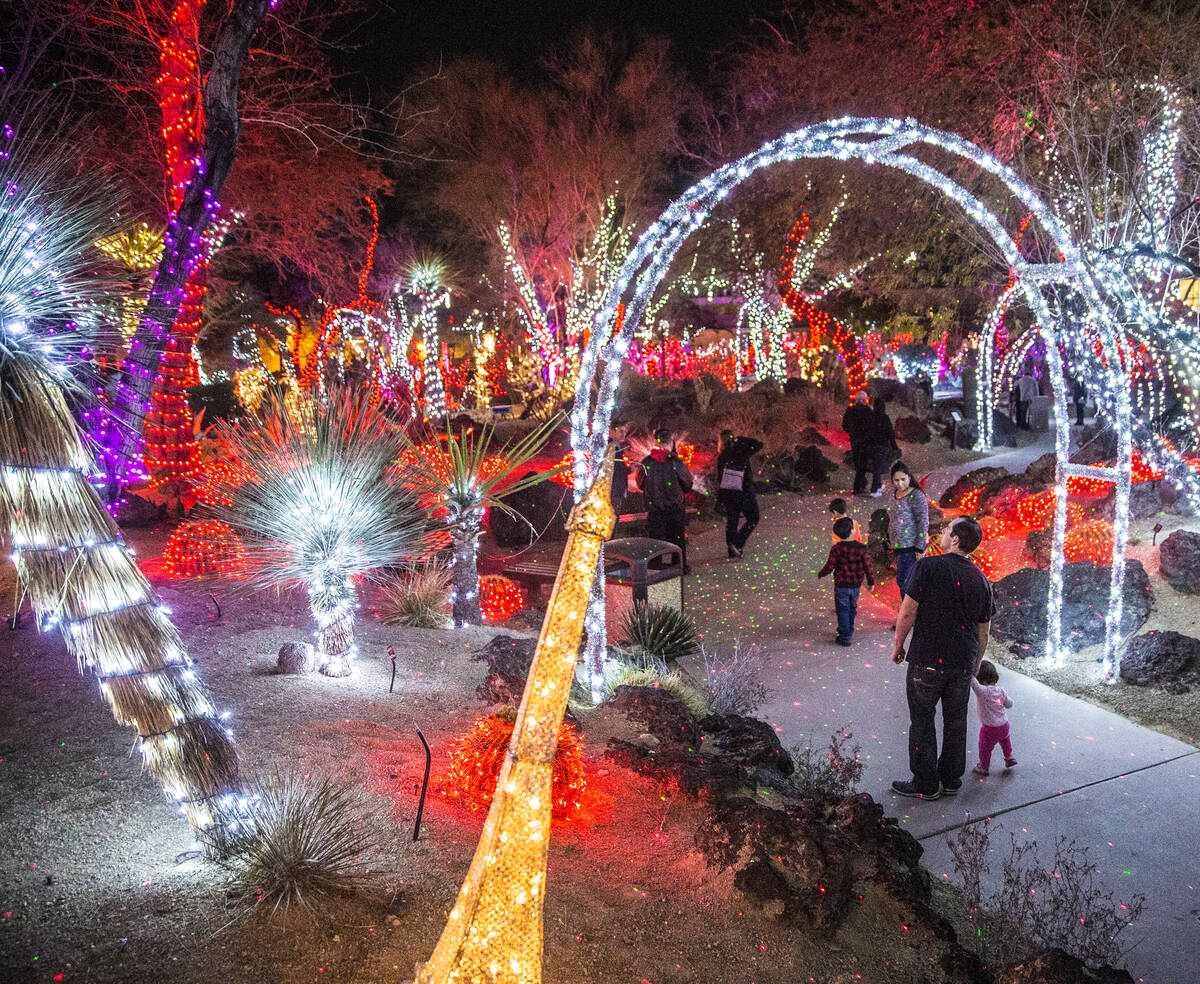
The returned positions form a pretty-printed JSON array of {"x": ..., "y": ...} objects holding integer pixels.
[{"x": 849, "y": 564}]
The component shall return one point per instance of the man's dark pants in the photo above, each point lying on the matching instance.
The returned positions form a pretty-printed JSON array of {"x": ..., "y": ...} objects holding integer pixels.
[
  {"x": 737, "y": 505},
  {"x": 925, "y": 687},
  {"x": 669, "y": 526},
  {"x": 881, "y": 459},
  {"x": 863, "y": 462},
  {"x": 1023, "y": 414}
]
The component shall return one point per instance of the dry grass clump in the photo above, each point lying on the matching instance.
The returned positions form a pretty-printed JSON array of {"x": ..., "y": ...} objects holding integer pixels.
[
  {"x": 731, "y": 682},
  {"x": 642, "y": 670},
  {"x": 418, "y": 600}
]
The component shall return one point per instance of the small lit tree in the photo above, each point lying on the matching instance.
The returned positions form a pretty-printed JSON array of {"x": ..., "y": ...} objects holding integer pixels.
[
  {"x": 319, "y": 511},
  {"x": 459, "y": 481}
]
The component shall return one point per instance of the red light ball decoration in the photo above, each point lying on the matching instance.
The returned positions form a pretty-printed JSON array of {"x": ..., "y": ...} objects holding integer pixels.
[
  {"x": 205, "y": 548},
  {"x": 1092, "y": 541},
  {"x": 970, "y": 500},
  {"x": 476, "y": 758},
  {"x": 499, "y": 598}
]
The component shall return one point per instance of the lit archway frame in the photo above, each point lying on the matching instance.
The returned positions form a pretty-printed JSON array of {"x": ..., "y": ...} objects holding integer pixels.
[{"x": 886, "y": 142}]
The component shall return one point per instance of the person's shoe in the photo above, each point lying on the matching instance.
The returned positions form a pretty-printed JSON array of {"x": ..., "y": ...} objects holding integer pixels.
[
  {"x": 1009, "y": 763},
  {"x": 734, "y": 552},
  {"x": 842, "y": 642},
  {"x": 902, "y": 787},
  {"x": 979, "y": 770},
  {"x": 951, "y": 789},
  {"x": 877, "y": 493}
]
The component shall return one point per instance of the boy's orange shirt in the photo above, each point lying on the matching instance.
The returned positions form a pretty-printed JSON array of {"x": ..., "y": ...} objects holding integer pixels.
[{"x": 856, "y": 535}]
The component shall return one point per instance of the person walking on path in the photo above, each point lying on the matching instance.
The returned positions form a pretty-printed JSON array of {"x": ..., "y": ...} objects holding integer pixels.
[
  {"x": 909, "y": 529},
  {"x": 837, "y": 509},
  {"x": 1027, "y": 389},
  {"x": 1079, "y": 396},
  {"x": 735, "y": 482},
  {"x": 849, "y": 564},
  {"x": 859, "y": 424},
  {"x": 948, "y": 609},
  {"x": 617, "y": 435},
  {"x": 991, "y": 700},
  {"x": 666, "y": 481},
  {"x": 883, "y": 445}
]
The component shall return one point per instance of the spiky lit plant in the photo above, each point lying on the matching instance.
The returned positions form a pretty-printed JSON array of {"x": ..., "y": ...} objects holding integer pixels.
[
  {"x": 419, "y": 600},
  {"x": 318, "y": 509},
  {"x": 663, "y": 631},
  {"x": 68, "y": 551},
  {"x": 311, "y": 842},
  {"x": 459, "y": 480}
]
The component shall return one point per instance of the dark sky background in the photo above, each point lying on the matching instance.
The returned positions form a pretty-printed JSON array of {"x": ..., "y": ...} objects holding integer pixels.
[{"x": 409, "y": 35}]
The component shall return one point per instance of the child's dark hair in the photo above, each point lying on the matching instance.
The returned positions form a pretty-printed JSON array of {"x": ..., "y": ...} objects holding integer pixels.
[
  {"x": 844, "y": 528},
  {"x": 837, "y": 506},
  {"x": 987, "y": 674}
]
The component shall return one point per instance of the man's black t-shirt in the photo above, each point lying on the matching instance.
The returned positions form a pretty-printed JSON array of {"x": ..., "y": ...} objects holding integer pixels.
[{"x": 952, "y": 597}]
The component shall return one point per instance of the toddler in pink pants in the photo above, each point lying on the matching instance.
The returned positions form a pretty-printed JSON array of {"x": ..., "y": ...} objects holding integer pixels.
[{"x": 991, "y": 700}]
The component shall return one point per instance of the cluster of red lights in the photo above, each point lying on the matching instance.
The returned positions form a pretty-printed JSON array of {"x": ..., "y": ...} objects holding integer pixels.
[
  {"x": 220, "y": 476},
  {"x": 499, "y": 598},
  {"x": 437, "y": 460},
  {"x": 204, "y": 548},
  {"x": 681, "y": 362},
  {"x": 476, "y": 759},
  {"x": 970, "y": 500},
  {"x": 1091, "y": 540},
  {"x": 686, "y": 452}
]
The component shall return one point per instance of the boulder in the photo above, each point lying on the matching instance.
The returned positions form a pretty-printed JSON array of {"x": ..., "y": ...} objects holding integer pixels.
[
  {"x": 912, "y": 430},
  {"x": 795, "y": 470},
  {"x": 544, "y": 508},
  {"x": 1043, "y": 469},
  {"x": 508, "y": 660},
  {"x": 810, "y": 435},
  {"x": 1021, "y": 604},
  {"x": 1166, "y": 660},
  {"x": 1101, "y": 448},
  {"x": 750, "y": 747},
  {"x": 971, "y": 480},
  {"x": 1038, "y": 544},
  {"x": 296, "y": 657},
  {"x": 812, "y": 465},
  {"x": 1000, "y": 496},
  {"x": 1179, "y": 561},
  {"x": 136, "y": 512},
  {"x": 1143, "y": 502},
  {"x": 965, "y": 432}
]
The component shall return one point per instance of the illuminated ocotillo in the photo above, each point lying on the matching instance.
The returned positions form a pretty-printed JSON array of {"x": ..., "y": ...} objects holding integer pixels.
[{"x": 494, "y": 932}]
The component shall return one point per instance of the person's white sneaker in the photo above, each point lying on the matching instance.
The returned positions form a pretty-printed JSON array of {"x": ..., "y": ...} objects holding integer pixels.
[{"x": 877, "y": 493}]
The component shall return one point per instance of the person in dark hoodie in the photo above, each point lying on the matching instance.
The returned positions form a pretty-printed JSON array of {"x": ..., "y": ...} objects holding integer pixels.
[
  {"x": 666, "y": 481},
  {"x": 859, "y": 423},
  {"x": 735, "y": 482}
]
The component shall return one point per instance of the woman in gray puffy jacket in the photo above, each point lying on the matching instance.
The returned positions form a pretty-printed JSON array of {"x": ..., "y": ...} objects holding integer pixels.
[{"x": 909, "y": 522}]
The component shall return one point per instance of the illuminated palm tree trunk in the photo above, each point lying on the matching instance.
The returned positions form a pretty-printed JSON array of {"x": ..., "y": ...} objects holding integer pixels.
[
  {"x": 332, "y": 602},
  {"x": 464, "y": 534},
  {"x": 81, "y": 577}
]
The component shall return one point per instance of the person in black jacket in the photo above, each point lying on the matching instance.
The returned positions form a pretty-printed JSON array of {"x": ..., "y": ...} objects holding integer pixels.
[
  {"x": 737, "y": 494},
  {"x": 666, "y": 481},
  {"x": 620, "y": 475},
  {"x": 859, "y": 424},
  {"x": 882, "y": 444}
]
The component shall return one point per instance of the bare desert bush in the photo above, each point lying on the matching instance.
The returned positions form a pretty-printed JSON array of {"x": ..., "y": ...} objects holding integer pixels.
[
  {"x": 1060, "y": 904},
  {"x": 418, "y": 600},
  {"x": 832, "y": 774},
  {"x": 731, "y": 681}
]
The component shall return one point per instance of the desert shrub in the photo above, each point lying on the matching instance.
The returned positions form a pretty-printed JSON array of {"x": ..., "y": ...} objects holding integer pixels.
[
  {"x": 1038, "y": 906},
  {"x": 832, "y": 774},
  {"x": 638, "y": 669},
  {"x": 310, "y": 841},
  {"x": 815, "y": 406},
  {"x": 420, "y": 600},
  {"x": 731, "y": 682},
  {"x": 663, "y": 631}
]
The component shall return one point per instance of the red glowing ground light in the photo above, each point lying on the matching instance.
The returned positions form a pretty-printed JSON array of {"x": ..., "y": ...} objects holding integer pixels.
[
  {"x": 986, "y": 561},
  {"x": 1078, "y": 485},
  {"x": 1141, "y": 471},
  {"x": 203, "y": 549},
  {"x": 1036, "y": 512},
  {"x": 219, "y": 477},
  {"x": 969, "y": 501},
  {"x": 476, "y": 758},
  {"x": 1092, "y": 541},
  {"x": 499, "y": 598}
]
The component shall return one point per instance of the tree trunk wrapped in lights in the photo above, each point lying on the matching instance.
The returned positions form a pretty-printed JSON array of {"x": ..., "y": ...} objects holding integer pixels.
[{"x": 494, "y": 932}]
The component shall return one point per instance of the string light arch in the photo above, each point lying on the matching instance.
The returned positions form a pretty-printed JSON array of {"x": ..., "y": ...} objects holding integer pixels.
[{"x": 1066, "y": 279}]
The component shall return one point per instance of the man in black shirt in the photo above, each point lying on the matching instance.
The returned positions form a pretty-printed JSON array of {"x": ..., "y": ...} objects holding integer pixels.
[
  {"x": 858, "y": 423},
  {"x": 948, "y": 607}
]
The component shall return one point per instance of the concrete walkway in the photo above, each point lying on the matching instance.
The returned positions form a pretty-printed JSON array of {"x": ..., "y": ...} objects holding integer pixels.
[{"x": 1127, "y": 793}]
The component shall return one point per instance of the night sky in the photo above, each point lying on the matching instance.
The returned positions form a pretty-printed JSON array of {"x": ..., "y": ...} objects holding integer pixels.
[{"x": 396, "y": 42}]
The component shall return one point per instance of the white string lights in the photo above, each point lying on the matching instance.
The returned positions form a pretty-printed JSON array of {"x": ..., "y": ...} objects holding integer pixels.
[{"x": 884, "y": 141}]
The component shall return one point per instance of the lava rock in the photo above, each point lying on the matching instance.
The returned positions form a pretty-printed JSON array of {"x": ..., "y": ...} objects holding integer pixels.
[
  {"x": 971, "y": 480},
  {"x": 1143, "y": 502},
  {"x": 1021, "y": 604},
  {"x": 1038, "y": 545},
  {"x": 663, "y": 715},
  {"x": 912, "y": 430},
  {"x": 1166, "y": 660},
  {"x": 541, "y": 511},
  {"x": 1000, "y": 496},
  {"x": 296, "y": 657},
  {"x": 136, "y": 512},
  {"x": 508, "y": 660},
  {"x": 750, "y": 746},
  {"x": 1057, "y": 967},
  {"x": 810, "y": 435},
  {"x": 1043, "y": 469},
  {"x": 1102, "y": 447},
  {"x": 795, "y": 470},
  {"x": 813, "y": 465},
  {"x": 1179, "y": 561}
]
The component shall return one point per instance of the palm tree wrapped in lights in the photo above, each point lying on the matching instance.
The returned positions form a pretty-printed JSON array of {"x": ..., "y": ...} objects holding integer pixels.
[
  {"x": 459, "y": 482},
  {"x": 68, "y": 551},
  {"x": 318, "y": 510}
]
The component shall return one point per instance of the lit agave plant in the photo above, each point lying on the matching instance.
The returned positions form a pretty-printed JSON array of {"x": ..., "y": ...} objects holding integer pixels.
[
  {"x": 459, "y": 480},
  {"x": 318, "y": 509},
  {"x": 68, "y": 551}
]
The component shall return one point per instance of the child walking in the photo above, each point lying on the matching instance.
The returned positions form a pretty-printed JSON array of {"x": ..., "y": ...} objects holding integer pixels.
[
  {"x": 849, "y": 564},
  {"x": 991, "y": 700},
  {"x": 837, "y": 509}
]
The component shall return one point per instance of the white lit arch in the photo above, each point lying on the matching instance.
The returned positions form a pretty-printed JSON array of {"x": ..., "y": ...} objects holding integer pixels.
[{"x": 885, "y": 142}]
